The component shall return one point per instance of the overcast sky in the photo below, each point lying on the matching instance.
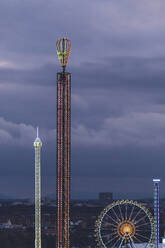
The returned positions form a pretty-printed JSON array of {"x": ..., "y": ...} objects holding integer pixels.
[{"x": 118, "y": 94}]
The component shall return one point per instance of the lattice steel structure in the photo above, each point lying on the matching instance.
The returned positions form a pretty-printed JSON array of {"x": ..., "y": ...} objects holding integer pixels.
[
  {"x": 37, "y": 146},
  {"x": 63, "y": 145},
  {"x": 156, "y": 182}
]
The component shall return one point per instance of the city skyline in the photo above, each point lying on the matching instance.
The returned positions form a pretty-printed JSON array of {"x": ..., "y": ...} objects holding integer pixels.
[{"x": 118, "y": 92}]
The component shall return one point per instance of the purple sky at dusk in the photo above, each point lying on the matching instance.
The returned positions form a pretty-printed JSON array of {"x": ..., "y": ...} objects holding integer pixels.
[{"x": 118, "y": 94}]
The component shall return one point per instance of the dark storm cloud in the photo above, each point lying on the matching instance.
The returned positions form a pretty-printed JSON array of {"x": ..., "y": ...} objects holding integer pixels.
[
  {"x": 118, "y": 117},
  {"x": 122, "y": 72},
  {"x": 29, "y": 29},
  {"x": 45, "y": 75}
]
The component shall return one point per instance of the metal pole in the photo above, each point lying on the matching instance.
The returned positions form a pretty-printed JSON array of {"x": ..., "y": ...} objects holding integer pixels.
[{"x": 156, "y": 182}]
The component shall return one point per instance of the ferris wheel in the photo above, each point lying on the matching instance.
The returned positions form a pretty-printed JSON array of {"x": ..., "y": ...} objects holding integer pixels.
[{"x": 124, "y": 223}]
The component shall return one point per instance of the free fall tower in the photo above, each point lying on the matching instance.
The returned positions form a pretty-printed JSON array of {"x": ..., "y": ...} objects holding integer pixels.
[{"x": 63, "y": 145}]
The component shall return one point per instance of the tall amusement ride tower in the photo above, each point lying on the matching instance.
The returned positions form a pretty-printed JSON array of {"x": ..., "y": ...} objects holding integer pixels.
[
  {"x": 37, "y": 146},
  {"x": 156, "y": 182},
  {"x": 63, "y": 145}
]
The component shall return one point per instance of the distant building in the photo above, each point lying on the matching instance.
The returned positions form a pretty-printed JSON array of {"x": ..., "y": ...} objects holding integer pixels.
[
  {"x": 105, "y": 197},
  {"x": 5, "y": 224},
  {"x": 163, "y": 240}
]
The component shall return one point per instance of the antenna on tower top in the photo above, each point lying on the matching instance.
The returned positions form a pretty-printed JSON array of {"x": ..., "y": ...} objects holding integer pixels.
[{"x": 37, "y": 132}]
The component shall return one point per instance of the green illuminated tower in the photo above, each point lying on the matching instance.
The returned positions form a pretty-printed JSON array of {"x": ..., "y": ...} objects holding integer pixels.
[{"x": 37, "y": 146}]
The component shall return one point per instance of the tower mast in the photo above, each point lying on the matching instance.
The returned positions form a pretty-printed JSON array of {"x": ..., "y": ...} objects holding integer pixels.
[
  {"x": 37, "y": 147},
  {"x": 156, "y": 182},
  {"x": 63, "y": 145}
]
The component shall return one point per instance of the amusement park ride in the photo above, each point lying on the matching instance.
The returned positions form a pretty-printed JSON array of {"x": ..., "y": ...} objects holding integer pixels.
[
  {"x": 37, "y": 145},
  {"x": 63, "y": 145},
  {"x": 128, "y": 223},
  {"x": 123, "y": 223}
]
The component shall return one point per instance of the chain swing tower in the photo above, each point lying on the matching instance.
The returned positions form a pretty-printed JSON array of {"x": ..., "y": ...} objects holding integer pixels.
[{"x": 63, "y": 46}]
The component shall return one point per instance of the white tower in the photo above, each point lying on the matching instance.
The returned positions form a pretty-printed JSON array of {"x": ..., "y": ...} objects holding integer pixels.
[{"x": 37, "y": 146}]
